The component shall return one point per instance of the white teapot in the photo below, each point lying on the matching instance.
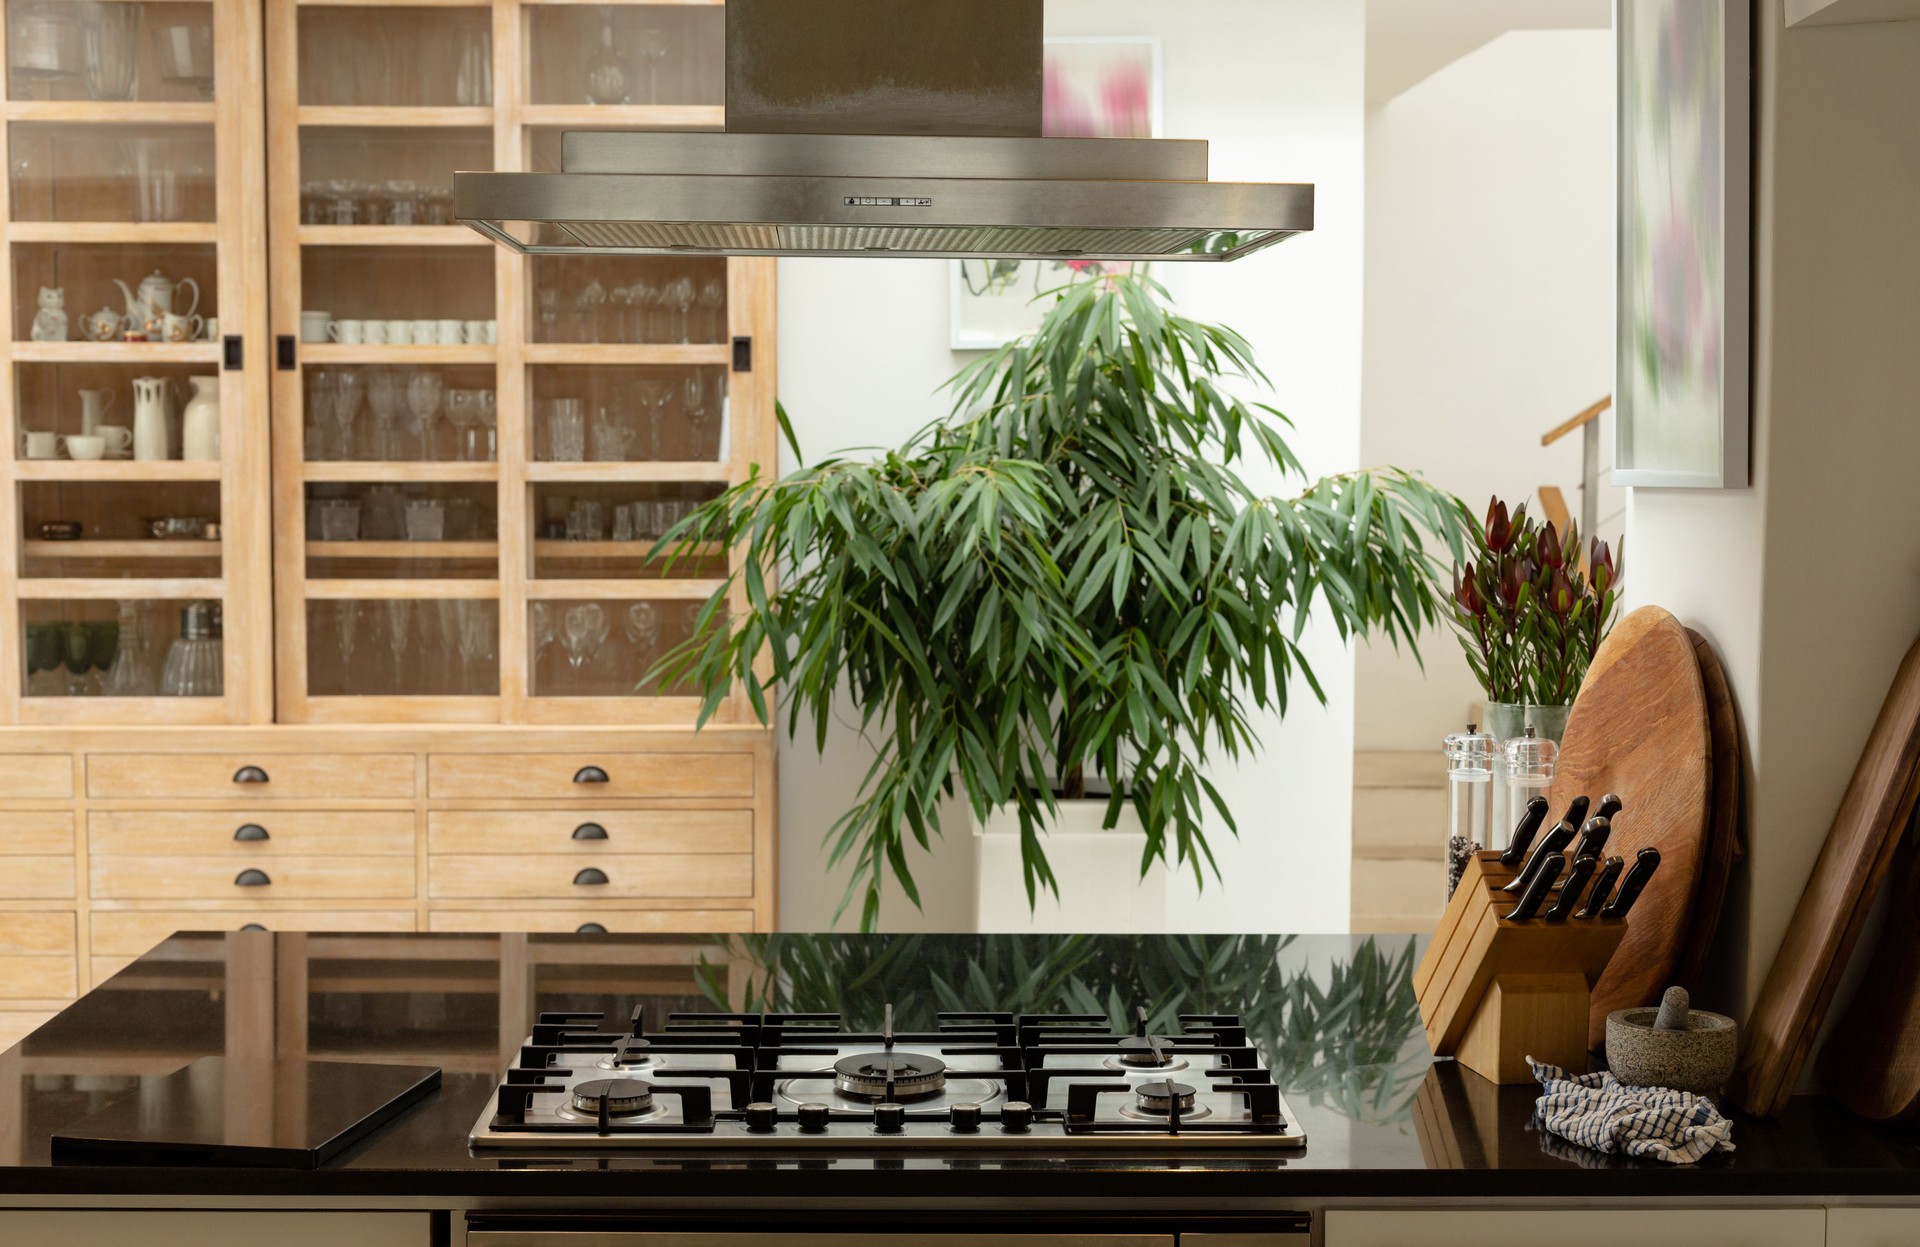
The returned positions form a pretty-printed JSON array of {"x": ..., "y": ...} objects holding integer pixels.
[{"x": 154, "y": 301}]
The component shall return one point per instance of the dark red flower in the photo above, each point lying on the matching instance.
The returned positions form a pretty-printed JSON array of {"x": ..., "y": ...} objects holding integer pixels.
[
  {"x": 1466, "y": 593},
  {"x": 1549, "y": 548},
  {"x": 1600, "y": 564},
  {"x": 1499, "y": 529},
  {"x": 1560, "y": 594},
  {"x": 1514, "y": 578}
]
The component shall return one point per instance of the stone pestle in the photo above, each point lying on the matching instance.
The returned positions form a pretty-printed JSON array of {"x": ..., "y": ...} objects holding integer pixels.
[{"x": 1673, "y": 1011}]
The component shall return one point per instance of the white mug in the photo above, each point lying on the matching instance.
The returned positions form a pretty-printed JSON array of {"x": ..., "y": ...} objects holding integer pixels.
[
  {"x": 493, "y": 331},
  {"x": 82, "y": 447},
  {"x": 212, "y": 328},
  {"x": 175, "y": 327},
  {"x": 424, "y": 332},
  {"x": 376, "y": 333},
  {"x": 399, "y": 333},
  {"x": 448, "y": 333},
  {"x": 348, "y": 332},
  {"x": 118, "y": 439},
  {"x": 313, "y": 326},
  {"x": 40, "y": 445},
  {"x": 475, "y": 332}
]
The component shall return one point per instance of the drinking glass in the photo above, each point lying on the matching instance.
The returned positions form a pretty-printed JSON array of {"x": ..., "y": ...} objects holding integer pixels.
[
  {"x": 544, "y": 632},
  {"x": 654, "y": 395},
  {"x": 652, "y": 45},
  {"x": 610, "y": 438},
  {"x": 347, "y": 627},
  {"x": 399, "y": 614},
  {"x": 623, "y": 523},
  {"x": 77, "y": 655},
  {"x": 425, "y": 388},
  {"x": 586, "y": 312},
  {"x": 321, "y": 397},
  {"x": 446, "y": 617},
  {"x": 695, "y": 405},
  {"x": 129, "y": 675},
  {"x": 487, "y": 407},
  {"x": 193, "y": 666},
  {"x": 713, "y": 304},
  {"x": 587, "y": 521},
  {"x": 476, "y": 638},
  {"x": 567, "y": 430},
  {"x": 385, "y": 395},
  {"x": 463, "y": 410},
  {"x": 586, "y": 629},
  {"x": 679, "y": 296},
  {"x": 339, "y": 520},
  {"x": 385, "y": 514},
  {"x": 643, "y": 626},
  {"x": 473, "y": 68},
  {"x": 607, "y": 74},
  {"x": 426, "y": 520},
  {"x": 549, "y": 314},
  {"x": 403, "y": 202},
  {"x": 109, "y": 49},
  {"x": 349, "y": 388}
]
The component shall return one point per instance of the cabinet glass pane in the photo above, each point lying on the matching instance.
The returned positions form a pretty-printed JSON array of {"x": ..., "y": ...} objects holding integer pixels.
[
  {"x": 403, "y": 647},
  {"x": 400, "y": 413},
  {"x": 108, "y": 290},
  {"x": 629, "y": 413},
  {"x": 418, "y": 531},
  {"x": 133, "y": 529},
  {"x": 385, "y": 175},
  {"x": 606, "y": 648},
  {"x": 400, "y": 284},
  {"x": 627, "y": 54},
  {"x": 60, "y": 50},
  {"x": 139, "y": 173},
  {"x": 441, "y": 57},
  {"x": 628, "y": 299},
  {"x": 605, "y": 532},
  {"x": 132, "y": 648},
  {"x": 56, "y": 405}
]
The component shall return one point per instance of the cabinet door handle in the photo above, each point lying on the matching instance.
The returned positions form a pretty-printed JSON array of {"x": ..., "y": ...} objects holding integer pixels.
[
  {"x": 589, "y": 831},
  {"x": 253, "y": 926},
  {"x": 589, "y": 928},
  {"x": 251, "y": 879},
  {"x": 589, "y": 775},
  {"x": 250, "y": 775},
  {"x": 251, "y": 831},
  {"x": 586, "y": 877}
]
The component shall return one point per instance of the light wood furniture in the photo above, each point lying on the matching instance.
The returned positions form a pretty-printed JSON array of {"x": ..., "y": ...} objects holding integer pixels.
[
  {"x": 1715, "y": 1227},
  {"x": 423, "y": 709}
]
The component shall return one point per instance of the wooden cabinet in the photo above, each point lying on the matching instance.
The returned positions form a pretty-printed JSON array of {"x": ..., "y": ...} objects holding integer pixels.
[
  {"x": 217, "y": 1229},
  {"x": 1718, "y": 1227},
  {"x": 1873, "y": 1227}
]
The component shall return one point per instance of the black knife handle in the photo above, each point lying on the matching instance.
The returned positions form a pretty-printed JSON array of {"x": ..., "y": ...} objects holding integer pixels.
[
  {"x": 1603, "y": 886},
  {"x": 1634, "y": 883},
  {"x": 1557, "y": 840},
  {"x": 1610, "y": 806},
  {"x": 1524, "y": 831},
  {"x": 1543, "y": 881},
  {"x": 1583, "y": 868},
  {"x": 1576, "y": 812},
  {"x": 1593, "y": 837}
]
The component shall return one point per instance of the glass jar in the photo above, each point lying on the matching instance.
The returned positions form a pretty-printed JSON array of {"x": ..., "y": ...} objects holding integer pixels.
[
  {"x": 1528, "y": 769},
  {"x": 194, "y": 662},
  {"x": 1507, "y": 721},
  {"x": 1469, "y": 799}
]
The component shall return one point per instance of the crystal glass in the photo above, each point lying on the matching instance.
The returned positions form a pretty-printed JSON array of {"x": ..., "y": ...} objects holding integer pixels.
[
  {"x": 385, "y": 395},
  {"x": 194, "y": 667},
  {"x": 476, "y": 639},
  {"x": 339, "y": 520},
  {"x": 680, "y": 296},
  {"x": 463, "y": 411},
  {"x": 544, "y": 630},
  {"x": 713, "y": 308},
  {"x": 160, "y": 169},
  {"x": 110, "y": 51},
  {"x": 610, "y": 438},
  {"x": 696, "y": 405},
  {"x": 585, "y": 631},
  {"x": 608, "y": 74},
  {"x": 623, "y": 523},
  {"x": 321, "y": 396},
  {"x": 130, "y": 674},
  {"x": 643, "y": 626},
  {"x": 567, "y": 430},
  {"x": 426, "y": 520},
  {"x": 349, "y": 389},
  {"x": 399, "y": 621},
  {"x": 487, "y": 407},
  {"x": 654, "y": 395},
  {"x": 425, "y": 390},
  {"x": 347, "y": 628},
  {"x": 473, "y": 67},
  {"x": 652, "y": 44},
  {"x": 385, "y": 514},
  {"x": 587, "y": 521}
]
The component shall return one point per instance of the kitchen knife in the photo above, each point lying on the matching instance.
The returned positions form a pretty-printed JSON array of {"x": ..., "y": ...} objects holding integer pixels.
[
  {"x": 1556, "y": 841},
  {"x": 1524, "y": 832},
  {"x": 1602, "y": 886},
  {"x": 1610, "y": 807},
  {"x": 1594, "y": 837},
  {"x": 1631, "y": 886},
  {"x": 1543, "y": 881},
  {"x": 1576, "y": 812},
  {"x": 1583, "y": 868}
]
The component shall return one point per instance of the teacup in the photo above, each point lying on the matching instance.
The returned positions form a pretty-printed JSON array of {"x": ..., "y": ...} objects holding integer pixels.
[
  {"x": 399, "y": 333},
  {"x": 475, "y": 332},
  {"x": 348, "y": 332},
  {"x": 40, "y": 445},
  {"x": 117, "y": 438},
  {"x": 82, "y": 447},
  {"x": 313, "y": 326},
  {"x": 447, "y": 333},
  {"x": 376, "y": 333},
  {"x": 423, "y": 332},
  {"x": 175, "y": 327}
]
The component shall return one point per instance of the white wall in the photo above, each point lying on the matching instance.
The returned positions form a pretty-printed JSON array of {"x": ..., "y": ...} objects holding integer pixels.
[
  {"x": 1489, "y": 309},
  {"x": 1277, "y": 88}
]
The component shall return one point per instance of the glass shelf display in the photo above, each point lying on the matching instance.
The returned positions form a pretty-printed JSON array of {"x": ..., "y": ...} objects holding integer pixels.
[
  {"x": 583, "y": 648},
  {"x": 627, "y": 55},
  {"x": 353, "y": 56},
  {"x": 403, "y": 647},
  {"x": 110, "y": 52},
  {"x": 139, "y": 174}
]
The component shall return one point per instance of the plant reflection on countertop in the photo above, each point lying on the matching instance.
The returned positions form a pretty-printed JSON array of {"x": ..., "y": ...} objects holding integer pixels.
[{"x": 1347, "y": 1035}]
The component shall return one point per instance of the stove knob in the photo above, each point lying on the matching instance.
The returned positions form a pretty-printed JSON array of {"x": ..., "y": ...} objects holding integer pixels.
[
  {"x": 761, "y": 1117},
  {"x": 1016, "y": 1116},
  {"x": 965, "y": 1118},
  {"x": 813, "y": 1118},
  {"x": 889, "y": 1118}
]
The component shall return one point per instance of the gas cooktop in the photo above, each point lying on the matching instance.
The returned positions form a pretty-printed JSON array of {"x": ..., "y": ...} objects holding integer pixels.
[{"x": 989, "y": 1081}]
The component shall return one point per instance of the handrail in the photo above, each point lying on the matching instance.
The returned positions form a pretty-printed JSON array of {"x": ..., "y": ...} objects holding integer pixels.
[{"x": 1580, "y": 421}]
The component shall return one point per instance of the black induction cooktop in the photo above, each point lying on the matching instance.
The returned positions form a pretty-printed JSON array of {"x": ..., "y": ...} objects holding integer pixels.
[{"x": 286, "y": 1113}]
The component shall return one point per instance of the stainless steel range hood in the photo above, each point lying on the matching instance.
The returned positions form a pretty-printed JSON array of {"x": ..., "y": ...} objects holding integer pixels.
[{"x": 881, "y": 127}]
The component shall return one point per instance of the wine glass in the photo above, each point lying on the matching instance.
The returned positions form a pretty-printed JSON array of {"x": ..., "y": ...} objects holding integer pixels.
[
  {"x": 322, "y": 397},
  {"x": 347, "y": 625},
  {"x": 446, "y": 618},
  {"x": 679, "y": 295},
  {"x": 77, "y": 652},
  {"x": 694, "y": 405},
  {"x": 463, "y": 409},
  {"x": 487, "y": 407},
  {"x": 586, "y": 629},
  {"x": 385, "y": 396},
  {"x": 607, "y": 72},
  {"x": 544, "y": 632},
  {"x": 653, "y": 45},
  {"x": 643, "y": 626},
  {"x": 654, "y": 394},
  {"x": 425, "y": 389},
  {"x": 690, "y": 618},
  {"x": 549, "y": 314},
  {"x": 586, "y": 311},
  {"x": 349, "y": 387},
  {"x": 399, "y": 613},
  {"x": 713, "y": 303},
  {"x": 476, "y": 639}
]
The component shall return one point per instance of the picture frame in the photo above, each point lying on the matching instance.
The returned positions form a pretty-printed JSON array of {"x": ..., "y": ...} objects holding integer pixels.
[
  {"x": 1683, "y": 413},
  {"x": 991, "y": 303}
]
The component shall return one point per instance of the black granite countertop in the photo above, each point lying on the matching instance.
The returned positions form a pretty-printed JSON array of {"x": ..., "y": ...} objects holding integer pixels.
[{"x": 1333, "y": 1014}]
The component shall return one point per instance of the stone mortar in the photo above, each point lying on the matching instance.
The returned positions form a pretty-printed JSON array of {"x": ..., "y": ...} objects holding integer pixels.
[{"x": 1698, "y": 1059}]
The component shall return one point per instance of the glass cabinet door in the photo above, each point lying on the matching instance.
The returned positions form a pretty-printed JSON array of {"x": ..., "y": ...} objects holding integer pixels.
[{"x": 134, "y": 515}]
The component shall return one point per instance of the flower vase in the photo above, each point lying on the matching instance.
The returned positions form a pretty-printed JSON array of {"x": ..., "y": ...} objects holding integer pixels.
[{"x": 1508, "y": 721}]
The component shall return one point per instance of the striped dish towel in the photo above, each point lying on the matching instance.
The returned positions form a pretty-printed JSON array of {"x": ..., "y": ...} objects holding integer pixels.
[{"x": 1598, "y": 1111}]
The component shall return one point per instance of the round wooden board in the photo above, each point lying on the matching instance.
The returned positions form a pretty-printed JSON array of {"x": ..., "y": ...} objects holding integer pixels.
[
  {"x": 1640, "y": 729},
  {"x": 1723, "y": 825}
]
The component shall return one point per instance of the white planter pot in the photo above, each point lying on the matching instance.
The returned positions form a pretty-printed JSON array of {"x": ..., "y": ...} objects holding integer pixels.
[{"x": 1098, "y": 871}]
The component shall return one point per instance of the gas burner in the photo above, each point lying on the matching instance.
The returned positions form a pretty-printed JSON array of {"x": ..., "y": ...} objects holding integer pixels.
[
  {"x": 872, "y": 1075},
  {"x": 1146, "y": 1052},
  {"x": 1158, "y": 1097},
  {"x": 627, "y": 1052},
  {"x": 625, "y": 1097}
]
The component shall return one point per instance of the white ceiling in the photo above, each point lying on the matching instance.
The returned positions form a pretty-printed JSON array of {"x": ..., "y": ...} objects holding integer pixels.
[{"x": 1408, "y": 40}]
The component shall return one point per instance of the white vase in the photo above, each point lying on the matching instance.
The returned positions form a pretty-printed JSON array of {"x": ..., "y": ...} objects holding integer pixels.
[
  {"x": 1097, "y": 869},
  {"x": 152, "y": 434},
  {"x": 200, "y": 422}
]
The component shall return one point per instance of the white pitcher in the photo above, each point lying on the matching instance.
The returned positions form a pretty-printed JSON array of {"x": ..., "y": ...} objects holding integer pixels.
[
  {"x": 200, "y": 435},
  {"x": 152, "y": 418},
  {"x": 93, "y": 409}
]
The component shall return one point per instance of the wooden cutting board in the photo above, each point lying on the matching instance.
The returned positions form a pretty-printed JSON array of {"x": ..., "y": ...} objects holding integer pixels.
[
  {"x": 1871, "y": 1062},
  {"x": 1779, "y": 1034},
  {"x": 1723, "y": 817},
  {"x": 1640, "y": 728}
]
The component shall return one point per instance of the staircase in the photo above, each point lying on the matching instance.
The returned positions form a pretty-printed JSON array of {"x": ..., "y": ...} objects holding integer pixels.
[{"x": 1399, "y": 822}]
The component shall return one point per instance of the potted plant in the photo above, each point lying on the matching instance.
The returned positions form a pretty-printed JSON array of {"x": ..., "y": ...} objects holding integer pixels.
[{"x": 1062, "y": 587}]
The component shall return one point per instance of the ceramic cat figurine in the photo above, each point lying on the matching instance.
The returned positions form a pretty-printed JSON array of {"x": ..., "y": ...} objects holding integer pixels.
[{"x": 50, "y": 322}]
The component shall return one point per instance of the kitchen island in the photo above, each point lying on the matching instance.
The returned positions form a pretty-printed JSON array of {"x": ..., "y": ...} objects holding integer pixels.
[{"x": 1398, "y": 1146}]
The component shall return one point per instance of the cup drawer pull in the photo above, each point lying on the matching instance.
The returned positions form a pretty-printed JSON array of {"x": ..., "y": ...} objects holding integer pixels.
[
  {"x": 253, "y": 926},
  {"x": 589, "y": 928},
  {"x": 588, "y": 877},
  {"x": 589, "y": 831},
  {"x": 251, "y": 879},
  {"x": 251, "y": 831},
  {"x": 590, "y": 775},
  {"x": 250, "y": 775}
]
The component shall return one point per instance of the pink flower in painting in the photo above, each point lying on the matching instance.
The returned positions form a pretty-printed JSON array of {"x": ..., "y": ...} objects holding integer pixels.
[
  {"x": 1064, "y": 111},
  {"x": 1125, "y": 98}
]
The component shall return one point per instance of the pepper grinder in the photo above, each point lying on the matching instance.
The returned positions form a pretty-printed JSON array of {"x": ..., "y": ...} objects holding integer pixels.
[
  {"x": 1530, "y": 761},
  {"x": 1469, "y": 799}
]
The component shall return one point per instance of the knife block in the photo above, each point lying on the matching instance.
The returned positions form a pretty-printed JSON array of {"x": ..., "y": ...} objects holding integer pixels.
[{"x": 1494, "y": 992}]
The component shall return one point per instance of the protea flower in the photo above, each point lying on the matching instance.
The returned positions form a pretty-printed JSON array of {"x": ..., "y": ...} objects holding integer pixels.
[
  {"x": 1551, "y": 552},
  {"x": 1499, "y": 527},
  {"x": 1600, "y": 564},
  {"x": 1466, "y": 593},
  {"x": 1560, "y": 594},
  {"x": 1517, "y": 575}
]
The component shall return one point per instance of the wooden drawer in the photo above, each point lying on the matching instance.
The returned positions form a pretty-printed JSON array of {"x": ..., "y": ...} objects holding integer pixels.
[
  {"x": 628, "y": 876},
  {"x": 17, "y": 1026},
  {"x": 36, "y": 776},
  {"x": 128, "y": 934},
  {"x": 211, "y": 776},
  {"x": 590, "y": 832},
  {"x": 52, "y": 878},
  {"x": 213, "y": 877},
  {"x": 563, "y": 776},
  {"x": 267, "y": 833},
  {"x": 38, "y": 978},
  {"x": 36, "y": 935},
  {"x": 617, "y": 921},
  {"x": 44, "y": 832}
]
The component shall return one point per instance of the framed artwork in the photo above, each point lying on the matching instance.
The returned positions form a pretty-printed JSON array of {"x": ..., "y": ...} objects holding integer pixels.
[
  {"x": 1681, "y": 393},
  {"x": 1095, "y": 87}
]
